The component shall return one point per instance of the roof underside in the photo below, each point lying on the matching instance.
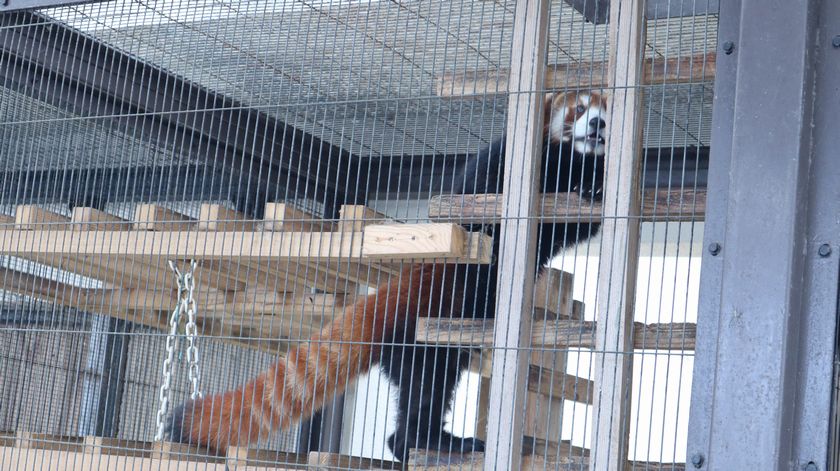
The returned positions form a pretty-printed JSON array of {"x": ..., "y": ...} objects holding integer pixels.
[{"x": 359, "y": 75}]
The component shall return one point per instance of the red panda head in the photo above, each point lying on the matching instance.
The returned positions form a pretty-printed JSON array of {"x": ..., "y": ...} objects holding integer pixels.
[{"x": 579, "y": 118}]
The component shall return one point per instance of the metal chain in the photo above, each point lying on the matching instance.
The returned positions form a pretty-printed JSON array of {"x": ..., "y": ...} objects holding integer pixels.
[{"x": 186, "y": 303}]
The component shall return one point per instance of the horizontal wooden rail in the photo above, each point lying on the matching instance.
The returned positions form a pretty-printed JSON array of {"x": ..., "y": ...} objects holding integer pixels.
[
  {"x": 554, "y": 334},
  {"x": 689, "y": 69},
  {"x": 661, "y": 205}
]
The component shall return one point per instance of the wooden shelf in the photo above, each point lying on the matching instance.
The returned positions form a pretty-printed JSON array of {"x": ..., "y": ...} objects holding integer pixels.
[
  {"x": 660, "y": 205},
  {"x": 555, "y": 334},
  {"x": 478, "y": 83}
]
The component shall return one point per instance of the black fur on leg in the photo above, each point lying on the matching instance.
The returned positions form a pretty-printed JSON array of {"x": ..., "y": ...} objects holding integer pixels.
[{"x": 177, "y": 423}]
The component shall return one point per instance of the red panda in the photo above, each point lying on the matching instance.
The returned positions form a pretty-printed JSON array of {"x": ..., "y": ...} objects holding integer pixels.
[
  {"x": 301, "y": 382},
  {"x": 379, "y": 328}
]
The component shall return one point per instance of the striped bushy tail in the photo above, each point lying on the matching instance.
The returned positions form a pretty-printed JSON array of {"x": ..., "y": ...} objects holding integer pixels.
[{"x": 299, "y": 384}]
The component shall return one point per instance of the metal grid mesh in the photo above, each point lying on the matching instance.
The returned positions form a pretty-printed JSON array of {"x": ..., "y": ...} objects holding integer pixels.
[{"x": 226, "y": 128}]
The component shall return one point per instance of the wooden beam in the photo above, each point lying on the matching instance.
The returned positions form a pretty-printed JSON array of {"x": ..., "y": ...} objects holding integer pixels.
[
  {"x": 517, "y": 247},
  {"x": 561, "y": 334},
  {"x": 619, "y": 257},
  {"x": 328, "y": 461},
  {"x": 579, "y": 75},
  {"x": 430, "y": 460},
  {"x": 151, "y": 217},
  {"x": 405, "y": 241},
  {"x": 215, "y": 217},
  {"x": 658, "y": 205}
]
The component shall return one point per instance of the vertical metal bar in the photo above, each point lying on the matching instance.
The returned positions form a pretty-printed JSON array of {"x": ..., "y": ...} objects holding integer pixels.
[
  {"x": 753, "y": 309},
  {"x": 618, "y": 262},
  {"x": 512, "y": 336},
  {"x": 819, "y": 309}
]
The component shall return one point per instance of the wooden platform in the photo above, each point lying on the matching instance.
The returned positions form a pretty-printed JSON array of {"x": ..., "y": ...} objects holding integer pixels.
[
  {"x": 254, "y": 278},
  {"x": 26, "y": 451}
]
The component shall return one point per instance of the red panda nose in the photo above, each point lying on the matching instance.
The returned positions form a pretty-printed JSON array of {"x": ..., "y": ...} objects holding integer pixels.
[{"x": 597, "y": 123}]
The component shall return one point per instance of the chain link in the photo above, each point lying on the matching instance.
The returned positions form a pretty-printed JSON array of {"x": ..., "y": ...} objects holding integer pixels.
[{"x": 186, "y": 304}]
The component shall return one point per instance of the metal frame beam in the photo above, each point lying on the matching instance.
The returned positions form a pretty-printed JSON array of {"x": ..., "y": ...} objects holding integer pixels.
[
  {"x": 264, "y": 156},
  {"x": 767, "y": 321},
  {"x": 597, "y": 11}
]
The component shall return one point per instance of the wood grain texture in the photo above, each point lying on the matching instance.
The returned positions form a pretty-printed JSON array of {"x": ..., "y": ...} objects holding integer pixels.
[
  {"x": 554, "y": 334},
  {"x": 152, "y": 217},
  {"x": 517, "y": 246},
  {"x": 619, "y": 257},
  {"x": 380, "y": 243},
  {"x": 90, "y": 219},
  {"x": 586, "y": 75},
  {"x": 657, "y": 205}
]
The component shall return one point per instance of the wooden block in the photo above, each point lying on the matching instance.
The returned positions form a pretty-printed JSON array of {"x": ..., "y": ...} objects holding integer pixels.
[
  {"x": 553, "y": 292},
  {"x": 183, "y": 452},
  {"x": 5, "y": 219},
  {"x": 31, "y": 217},
  {"x": 242, "y": 457},
  {"x": 151, "y": 217},
  {"x": 356, "y": 217},
  {"x": 430, "y": 460},
  {"x": 553, "y": 334},
  {"x": 380, "y": 243},
  {"x": 45, "y": 441},
  {"x": 329, "y": 461},
  {"x": 414, "y": 240},
  {"x": 215, "y": 217},
  {"x": 90, "y": 219},
  {"x": 284, "y": 217},
  {"x": 115, "y": 446},
  {"x": 657, "y": 205},
  {"x": 696, "y": 68}
]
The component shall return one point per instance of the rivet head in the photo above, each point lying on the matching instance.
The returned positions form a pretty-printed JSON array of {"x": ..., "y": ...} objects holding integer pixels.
[
  {"x": 811, "y": 466},
  {"x": 697, "y": 460},
  {"x": 824, "y": 250},
  {"x": 714, "y": 248},
  {"x": 835, "y": 41},
  {"x": 728, "y": 47}
]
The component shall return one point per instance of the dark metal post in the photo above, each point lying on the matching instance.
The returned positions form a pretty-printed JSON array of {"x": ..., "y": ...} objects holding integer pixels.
[{"x": 768, "y": 306}]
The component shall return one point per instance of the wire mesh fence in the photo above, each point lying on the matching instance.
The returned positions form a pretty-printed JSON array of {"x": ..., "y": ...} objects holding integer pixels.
[{"x": 415, "y": 244}]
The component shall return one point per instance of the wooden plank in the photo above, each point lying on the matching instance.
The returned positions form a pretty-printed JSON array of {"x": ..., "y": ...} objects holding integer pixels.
[
  {"x": 285, "y": 217},
  {"x": 430, "y": 460},
  {"x": 90, "y": 219},
  {"x": 243, "y": 457},
  {"x": 5, "y": 219},
  {"x": 619, "y": 257},
  {"x": 658, "y": 205},
  {"x": 553, "y": 334},
  {"x": 518, "y": 235},
  {"x": 116, "y": 446},
  {"x": 45, "y": 441},
  {"x": 151, "y": 217},
  {"x": 215, "y": 217},
  {"x": 406, "y": 241},
  {"x": 356, "y": 217},
  {"x": 585, "y": 75},
  {"x": 13, "y": 458},
  {"x": 328, "y": 461},
  {"x": 31, "y": 217}
]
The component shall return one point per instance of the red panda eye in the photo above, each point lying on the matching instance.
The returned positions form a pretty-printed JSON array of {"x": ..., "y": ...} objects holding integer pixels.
[{"x": 580, "y": 109}]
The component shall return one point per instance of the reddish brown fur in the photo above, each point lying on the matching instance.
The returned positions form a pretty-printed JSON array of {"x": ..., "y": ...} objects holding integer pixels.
[{"x": 296, "y": 386}]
